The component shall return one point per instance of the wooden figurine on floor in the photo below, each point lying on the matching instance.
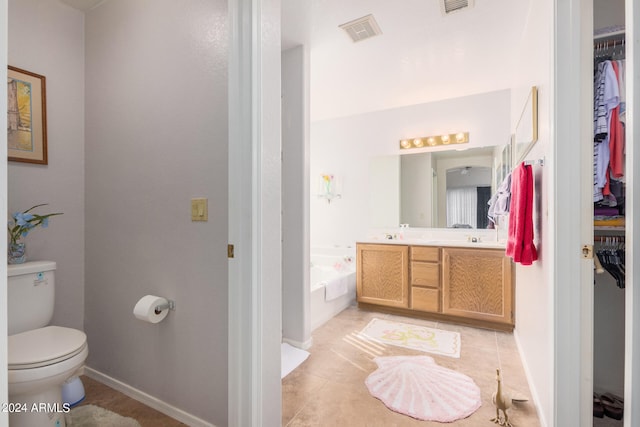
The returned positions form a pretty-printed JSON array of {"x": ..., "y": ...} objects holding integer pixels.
[{"x": 502, "y": 400}]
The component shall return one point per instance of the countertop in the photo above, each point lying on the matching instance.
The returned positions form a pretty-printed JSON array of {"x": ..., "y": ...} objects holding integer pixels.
[{"x": 428, "y": 242}]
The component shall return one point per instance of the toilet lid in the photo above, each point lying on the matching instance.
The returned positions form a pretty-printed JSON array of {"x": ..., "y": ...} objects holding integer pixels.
[{"x": 44, "y": 346}]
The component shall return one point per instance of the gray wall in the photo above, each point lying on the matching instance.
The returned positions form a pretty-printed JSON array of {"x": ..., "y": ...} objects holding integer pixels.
[
  {"x": 47, "y": 38},
  {"x": 156, "y": 136}
]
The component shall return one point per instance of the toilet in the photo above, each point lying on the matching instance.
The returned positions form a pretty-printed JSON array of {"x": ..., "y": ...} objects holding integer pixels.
[{"x": 41, "y": 358}]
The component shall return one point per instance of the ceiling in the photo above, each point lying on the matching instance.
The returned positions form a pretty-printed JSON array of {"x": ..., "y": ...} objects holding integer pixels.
[{"x": 421, "y": 56}]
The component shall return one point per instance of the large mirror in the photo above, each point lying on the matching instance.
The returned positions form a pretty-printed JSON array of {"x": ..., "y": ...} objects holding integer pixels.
[{"x": 441, "y": 189}]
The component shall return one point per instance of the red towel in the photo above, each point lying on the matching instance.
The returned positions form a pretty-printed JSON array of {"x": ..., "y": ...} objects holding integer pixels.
[{"x": 520, "y": 245}]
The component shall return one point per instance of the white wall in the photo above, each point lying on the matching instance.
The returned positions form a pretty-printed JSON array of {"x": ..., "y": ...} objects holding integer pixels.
[
  {"x": 47, "y": 38},
  {"x": 534, "y": 302},
  {"x": 156, "y": 136},
  {"x": 608, "y": 13},
  {"x": 344, "y": 147},
  {"x": 296, "y": 321}
]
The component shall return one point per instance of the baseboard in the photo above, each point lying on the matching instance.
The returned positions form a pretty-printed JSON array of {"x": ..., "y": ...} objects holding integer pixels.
[
  {"x": 147, "y": 399},
  {"x": 527, "y": 373},
  {"x": 301, "y": 345}
]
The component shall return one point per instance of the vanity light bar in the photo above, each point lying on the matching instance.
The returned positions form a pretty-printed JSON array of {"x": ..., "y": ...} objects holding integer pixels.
[{"x": 433, "y": 141}]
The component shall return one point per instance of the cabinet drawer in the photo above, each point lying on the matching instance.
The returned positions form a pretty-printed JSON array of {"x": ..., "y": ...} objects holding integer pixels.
[
  {"x": 425, "y": 299},
  {"x": 425, "y": 274},
  {"x": 425, "y": 253}
]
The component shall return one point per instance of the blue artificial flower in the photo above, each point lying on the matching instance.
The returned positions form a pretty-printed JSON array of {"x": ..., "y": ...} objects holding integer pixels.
[
  {"x": 24, "y": 222},
  {"x": 23, "y": 219}
]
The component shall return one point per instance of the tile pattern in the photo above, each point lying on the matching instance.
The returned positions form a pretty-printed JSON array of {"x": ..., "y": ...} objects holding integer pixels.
[
  {"x": 104, "y": 396},
  {"x": 328, "y": 389}
]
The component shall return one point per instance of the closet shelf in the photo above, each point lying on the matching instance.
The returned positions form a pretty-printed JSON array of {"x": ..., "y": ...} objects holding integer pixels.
[{"x": 609, "y": 228}]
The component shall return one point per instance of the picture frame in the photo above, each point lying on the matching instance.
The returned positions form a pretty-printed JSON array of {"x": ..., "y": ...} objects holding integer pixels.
[
  {"x": 527, "y": 128},
  {"x": 26, "y": 117}
]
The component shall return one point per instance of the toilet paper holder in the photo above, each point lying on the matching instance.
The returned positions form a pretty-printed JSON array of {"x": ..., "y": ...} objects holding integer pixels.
[{"x": 170, "y": 304}]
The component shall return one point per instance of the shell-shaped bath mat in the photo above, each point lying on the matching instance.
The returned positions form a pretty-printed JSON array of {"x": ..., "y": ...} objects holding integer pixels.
[{"x": 417, "y": 386}]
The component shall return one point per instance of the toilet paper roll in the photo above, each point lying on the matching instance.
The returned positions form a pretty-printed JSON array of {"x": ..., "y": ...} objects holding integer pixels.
[{"x": 145, "y": 309}]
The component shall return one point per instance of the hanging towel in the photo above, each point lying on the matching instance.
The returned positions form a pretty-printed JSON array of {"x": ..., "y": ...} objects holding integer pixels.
[{"x": 520, "y": 245}]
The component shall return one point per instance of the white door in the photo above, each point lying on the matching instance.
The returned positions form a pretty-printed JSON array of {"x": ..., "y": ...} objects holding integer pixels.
[
  {"x": 255, "y": 294},
  {"x": 573, "y": 213}
]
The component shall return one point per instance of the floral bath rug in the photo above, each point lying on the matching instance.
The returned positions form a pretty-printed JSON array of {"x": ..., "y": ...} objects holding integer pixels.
[{"x": 421, "y": 338}]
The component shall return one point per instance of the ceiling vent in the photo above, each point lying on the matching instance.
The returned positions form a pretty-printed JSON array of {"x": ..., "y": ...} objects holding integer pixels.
[
  {"x": 362, "y": 28},
  {"x": 450, "y": 6}
]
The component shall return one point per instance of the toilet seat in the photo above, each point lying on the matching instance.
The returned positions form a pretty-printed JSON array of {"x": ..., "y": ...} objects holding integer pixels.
[{"x": 44, "y": 346}]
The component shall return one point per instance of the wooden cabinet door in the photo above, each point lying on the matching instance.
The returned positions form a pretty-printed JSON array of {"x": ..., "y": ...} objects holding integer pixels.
[
  {"x": 382, "y": 274},
  {"x": 477, "y": 284}
]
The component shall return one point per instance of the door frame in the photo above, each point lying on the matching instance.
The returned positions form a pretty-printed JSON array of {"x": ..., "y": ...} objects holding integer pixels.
[
  {"x": 255, "y": 271},
  {"x": 632, "y": 298},
  {"x": 4, "y": 42},
  {"x": 252, "y": 385}
]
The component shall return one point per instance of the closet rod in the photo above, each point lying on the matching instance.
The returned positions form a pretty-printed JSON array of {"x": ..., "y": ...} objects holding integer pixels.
[
  {"x": 609, "y": 42},
  {"x": 608, "y": 238},
  {"x": 606, "y": 44}
]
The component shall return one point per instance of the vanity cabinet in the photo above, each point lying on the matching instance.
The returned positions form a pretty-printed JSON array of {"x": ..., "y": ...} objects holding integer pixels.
[
  {"x": 476, "y": 284},
  {"x": 472, "y": 286},
  {"x": 382, "y": 275},
  {"x": 424, "y": 271}
]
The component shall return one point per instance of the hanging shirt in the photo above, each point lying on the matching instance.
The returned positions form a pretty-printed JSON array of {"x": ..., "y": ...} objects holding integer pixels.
[
  {"x": 622, "y": 88},
  {"x": 606, "y": 98},
  {"x": 616, "y": 135}
]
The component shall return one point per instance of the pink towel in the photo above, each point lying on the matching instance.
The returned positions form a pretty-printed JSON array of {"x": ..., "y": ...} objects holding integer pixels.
[{"x": 520, "y": 245}]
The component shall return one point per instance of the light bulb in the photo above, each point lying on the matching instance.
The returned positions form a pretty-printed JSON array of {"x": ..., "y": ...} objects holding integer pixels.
[
  {"x": 418, "y": 142},
  {"x": 445, "y": 139},
  {"x": 431, "y": 141},
  {"x": 405, "y": 143},
  {"x": 460, "y": 137}
]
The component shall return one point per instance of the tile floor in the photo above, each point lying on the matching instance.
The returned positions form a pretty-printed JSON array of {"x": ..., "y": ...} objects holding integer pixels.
[
  {"x": 101, "y": 395},
  {"x": 328, "y": 389}
]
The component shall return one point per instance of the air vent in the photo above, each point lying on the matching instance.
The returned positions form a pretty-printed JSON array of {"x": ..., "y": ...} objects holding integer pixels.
[
  {"x": 362, "y": 28},
  {"x": 450, "y": 6}
]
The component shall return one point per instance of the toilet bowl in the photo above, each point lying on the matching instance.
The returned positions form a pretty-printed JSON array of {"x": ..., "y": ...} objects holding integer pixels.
[
  {"x": 40, "y": 358},
  {"x": 39, "y": 362}
]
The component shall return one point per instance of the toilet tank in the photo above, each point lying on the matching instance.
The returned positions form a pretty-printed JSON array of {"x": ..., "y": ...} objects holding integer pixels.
[{"x": 30, "y": 295}]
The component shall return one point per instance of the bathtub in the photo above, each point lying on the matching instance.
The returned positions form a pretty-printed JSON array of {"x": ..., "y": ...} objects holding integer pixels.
[{"x": 328, "y": 264}]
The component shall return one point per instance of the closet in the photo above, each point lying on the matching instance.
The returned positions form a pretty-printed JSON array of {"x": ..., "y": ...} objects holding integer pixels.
[{"x": 609, "y": 204}]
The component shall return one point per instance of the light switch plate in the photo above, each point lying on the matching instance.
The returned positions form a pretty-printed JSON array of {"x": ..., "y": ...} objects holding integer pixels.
[{"x": 199, "y": 209}]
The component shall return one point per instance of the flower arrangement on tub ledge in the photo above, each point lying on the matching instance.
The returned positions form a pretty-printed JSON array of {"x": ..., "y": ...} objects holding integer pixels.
[{"x": 19, "y": 227}]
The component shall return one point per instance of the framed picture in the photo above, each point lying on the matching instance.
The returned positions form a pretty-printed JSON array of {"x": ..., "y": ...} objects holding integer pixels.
[
  {"x": 527, "y": 127},
  {"x": 26, "y": 117}
]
